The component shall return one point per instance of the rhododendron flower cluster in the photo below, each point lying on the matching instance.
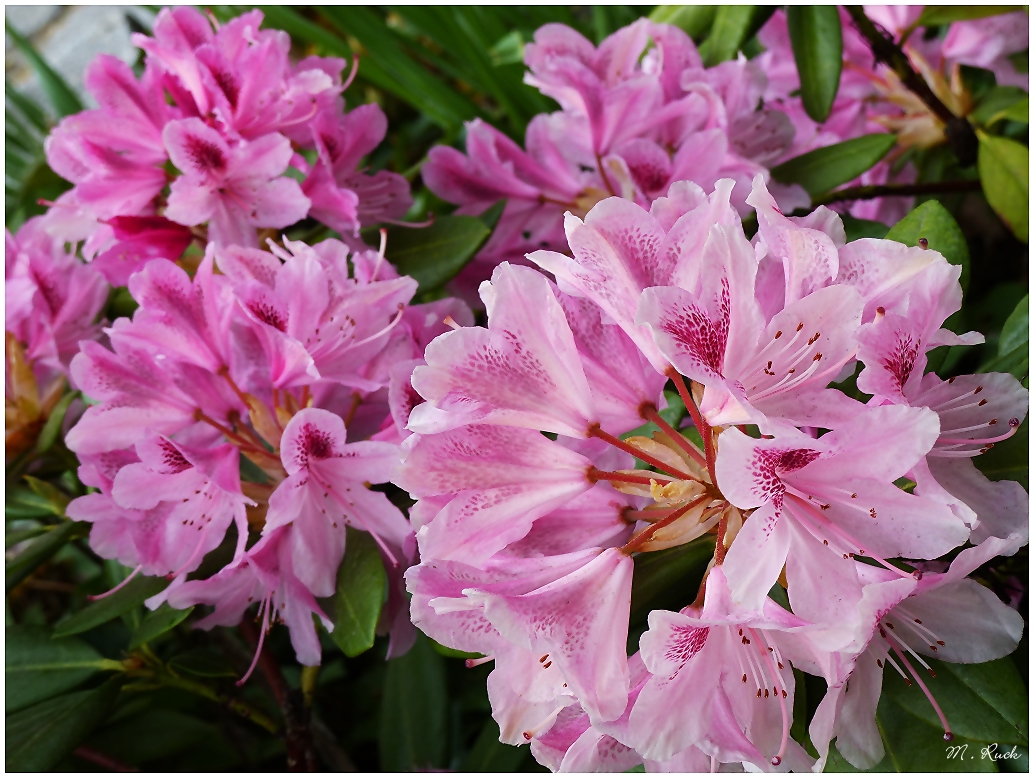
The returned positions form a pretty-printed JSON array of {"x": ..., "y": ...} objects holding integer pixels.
[
  {"x": 871, "y": 97},
  {"x": 637, "y": 114},
  {"x": 281, "y": 360},
  {"x": 535, "y": 504},
  {"x": 202, "y": 143}
]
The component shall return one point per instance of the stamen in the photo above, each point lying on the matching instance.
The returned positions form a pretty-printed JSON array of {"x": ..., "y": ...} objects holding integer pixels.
[
  {"x": 530, "y": 733},
  {"x": 391, "y": 325},
  {"x": 777, "y": 685},
  {"x": 127, "y": 579},
  {"x": 471, "y": 663},
  {"x": 448, "y": 321},
  {"x": 648, "y": 533},
  {"x": 630, "y": 478},
  {"x": 351, "y": 75},
  {"x": 264, "y": 609},
  {"x": 844, "y": 535},
  {"x": 948, "y": 735}
]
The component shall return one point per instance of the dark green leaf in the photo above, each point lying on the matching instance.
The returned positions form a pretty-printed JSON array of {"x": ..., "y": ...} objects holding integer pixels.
[
  {"x": 671, "y": 572},
  {"x": 28, "y": 108},
  {"x": 433, "y": 255},
  {"x": 862, "y": 228},
  {"x": 490, "y": 218},
  {"x": 413, "y": 711},
  {"x": 125, "y": 599},
  {"x": 995, "y": 102},
  {"x": 157, "y": 623},
  {"x": 694, "y": 20},
  {"x": 40, "y": 550},
  {"x": 387, "y": 65},
  {"x": 822, "y": 170},
  {"x": 38, "y": 738},
  {"x": 490, "y": 756},
  {"x": 203, "y": 663},
  {"x": 37, "y": 667},
  {"x": 361, "y": 591},
  {"x": 818, "y": 47},
  {"x": 932, "y": 221},
  {"x": 52, "y": 428},
  {"x": 1016, "y": 330},
  {"x": 57, "y": 499},
  {"x": 936, "y": 15},
  {"x": 452, "y": 652},
  {"x": 62, "y": 98},
  {"x": 22, "y": 502},
  {"x": 728, "y": 32},
  {"x": 152, "y": 735},
  {"x": 1003, "y": 164},
  {"x": 19, "y": 536}
]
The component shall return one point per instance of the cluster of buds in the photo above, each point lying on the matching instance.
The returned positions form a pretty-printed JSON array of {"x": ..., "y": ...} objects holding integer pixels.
[{"x": 528, "y": 544}]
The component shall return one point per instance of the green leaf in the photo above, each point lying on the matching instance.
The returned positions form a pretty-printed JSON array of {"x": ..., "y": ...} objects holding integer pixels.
[
  {"x": 728, "y": 32},
  {"x": 433, "y": 255},
  {"x": 490, "y": 218},
  {"x": 818, "y": 48},
  {"x": 453, "y": 653},
  {"x": 1010, "y": 459},
  {"x": 862, "y": 228},
  {"x": 936, "y": 15},
  {"x": 490, "y": 756},
  {"x": 670, "y": 573},
  {"x": 1003, "y": 164},
  {"x": 995, "y": 102},
  {"x": 361, "y": 591},
  {"x": 157, "y": 623},
  {"x": 1017, "y": 112},
  {"x": 14, "y": 538},
  {"x": 932, "y": 221},
  {"x": 822, "y": 170},
  {"x": 52, "y": 428},
  {"x": 413, "y": 711},
  {"x": 62, "y": 98},
  {"x": 40, "y": 550},
  {"x": 694, "y": 20},
  {"x": 37, "y": 668},
  {"x": 203, "y": 663},
  {"x": 387, "y": 65},
  {"x": 1016, "y": 330},
  {"x": 56, "y": 499},
  {"x": 38, "y": 738},
  {"x": 154, "y": 734},
  {"x": 508, "y": 50},
  {"x": 114, "y": 605},
  {"x": 983, "y": 703}
]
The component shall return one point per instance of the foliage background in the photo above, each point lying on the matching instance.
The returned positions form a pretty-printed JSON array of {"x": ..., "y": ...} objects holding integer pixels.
[{"x": 109, "y": 685}]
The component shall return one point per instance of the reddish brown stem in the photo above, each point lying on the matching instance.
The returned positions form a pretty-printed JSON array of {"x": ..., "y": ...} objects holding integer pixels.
[
  {"x": 650, "y": 414},
  {"x": 103, "y": 760},
  {"x": 702, "y": 426},
  {"x": 674, "y": 516},
  {"x": 596, "y": 432}
]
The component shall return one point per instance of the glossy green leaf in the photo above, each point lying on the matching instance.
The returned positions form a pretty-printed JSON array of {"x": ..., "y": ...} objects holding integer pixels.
[
  {"x": 63, "y": 100},
  {"x": 55, "y": 498},
  {"x": 361, "y": 591},
  {"x": 40, "y": 550},
  {"x": 1003, "y": 166},
  {"x": 728, "y": 33},
  {"x": 932, "y": 221},
  {"x": 818, "y": 47},
  {"x": 434, "y": 255},
  {"x": 996, "y": 101},
  {"x": 49, "y": 434},
  {"x": 670, "y": 574},
  {"x": 936, "y": 15},
  {"x": 862, "y": 228},
  {"x": 414, "y": 710},
  {"x": 112, "y": 606},
  {"x": 490, "y": 756},
  {"x": 37, "y": 668},
  {"x": 1017, "y": 112},
  {"x": 157, "y": 623},
  {"x": 824, "y": 169},
  {"x": 386, "y": 64},
  {"x": 38, "y": 738},
  {"x": 694, "y": 20},
  {"x": 1016, "y": 330},
  {"x": 203, "y": 663}
]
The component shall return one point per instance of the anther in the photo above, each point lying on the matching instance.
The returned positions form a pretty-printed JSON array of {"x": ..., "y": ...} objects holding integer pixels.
[
  {"x": 800, "y": 326},
  {"x": 881, "y": 311},
  {"x": 778, "y": 334},
  {"x": 924, "y": 243}
]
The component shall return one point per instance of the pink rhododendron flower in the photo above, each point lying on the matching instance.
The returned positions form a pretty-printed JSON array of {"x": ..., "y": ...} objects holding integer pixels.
[{"x": 528, "y": 544}]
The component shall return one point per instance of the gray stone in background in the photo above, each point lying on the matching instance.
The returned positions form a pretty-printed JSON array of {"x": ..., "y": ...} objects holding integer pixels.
[{"x": 68, "y": 37}]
